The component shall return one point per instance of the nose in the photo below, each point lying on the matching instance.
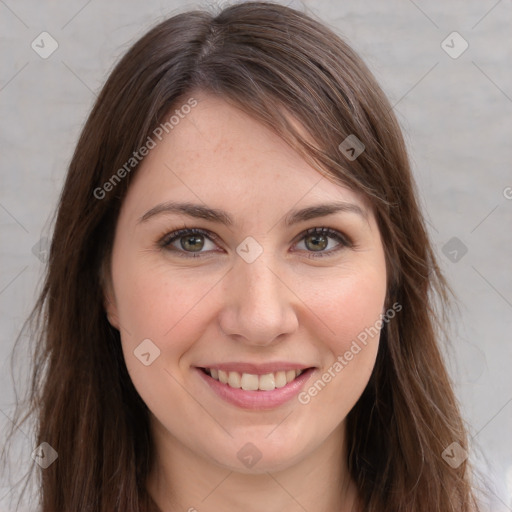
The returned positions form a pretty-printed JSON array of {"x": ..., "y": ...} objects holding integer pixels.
[{"x": 259, "y": 307}]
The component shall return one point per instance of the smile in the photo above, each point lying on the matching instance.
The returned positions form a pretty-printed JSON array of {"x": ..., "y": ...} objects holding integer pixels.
[
  {"x": 253, "y": 382},
  {"x": 255, "y": 387}
]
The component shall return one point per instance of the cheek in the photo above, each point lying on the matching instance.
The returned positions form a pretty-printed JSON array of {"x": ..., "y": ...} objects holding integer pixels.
[
  {"x": 349, "y": 312},
  {"x": 164, "y": 307},
  {"x": 347, "y": 305},
  {"x": 148, "y": 303},
  {"x": 157, "y": 304}
]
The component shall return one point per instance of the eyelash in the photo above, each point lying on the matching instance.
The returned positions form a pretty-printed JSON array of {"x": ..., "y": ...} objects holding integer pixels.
[{"x": 166, "y": 241}]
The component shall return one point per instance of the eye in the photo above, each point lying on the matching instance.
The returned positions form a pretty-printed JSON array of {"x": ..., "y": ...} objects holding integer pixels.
[
  {"x": 317, "y": 240},
  {"x": 190, "y": 242}
]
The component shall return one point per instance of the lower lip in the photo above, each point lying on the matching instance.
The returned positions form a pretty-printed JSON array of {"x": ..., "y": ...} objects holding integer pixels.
[{"x": 257, "y": 399}]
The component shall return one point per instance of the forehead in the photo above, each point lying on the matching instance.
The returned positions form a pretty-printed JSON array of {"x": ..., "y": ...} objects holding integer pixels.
[{"x": 219, "y": 155}]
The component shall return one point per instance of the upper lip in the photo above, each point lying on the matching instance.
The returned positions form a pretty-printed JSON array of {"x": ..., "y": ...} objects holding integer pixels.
[{"x": 256, "y": 369}]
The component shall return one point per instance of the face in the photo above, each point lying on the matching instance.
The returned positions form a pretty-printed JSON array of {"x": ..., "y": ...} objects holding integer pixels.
[{"x": 235, "y": 260}]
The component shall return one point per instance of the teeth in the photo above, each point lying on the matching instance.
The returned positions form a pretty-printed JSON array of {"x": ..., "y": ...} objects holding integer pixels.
[
  {"x": 234, "y": 380},
  {"x": 248, "y": 382},
  {"x": 251, "y": 382},
  {"x": 280, "y": 379},
  {"x": 267, "y": 382}
]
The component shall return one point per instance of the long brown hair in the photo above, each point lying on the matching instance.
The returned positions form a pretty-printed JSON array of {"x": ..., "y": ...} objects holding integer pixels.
[{"x": 278, "y": 65}]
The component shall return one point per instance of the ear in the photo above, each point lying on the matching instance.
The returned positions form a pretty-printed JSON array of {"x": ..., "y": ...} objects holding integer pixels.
[
  {"x": 111, "y": 309},
  {"x": 109, "y": 300}
]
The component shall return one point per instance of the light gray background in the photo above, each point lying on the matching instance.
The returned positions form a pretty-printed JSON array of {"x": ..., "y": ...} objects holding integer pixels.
[{"x": 456, "y": 114}]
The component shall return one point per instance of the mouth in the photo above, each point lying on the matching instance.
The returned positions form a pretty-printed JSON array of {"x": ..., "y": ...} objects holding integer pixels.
[
  {"x": 252, "y": 381},
  {"x": 266, "y": 388}
]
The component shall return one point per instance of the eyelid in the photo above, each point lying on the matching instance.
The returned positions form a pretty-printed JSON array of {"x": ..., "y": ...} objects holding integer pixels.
[
  {"x": 166, "y": 241},
  {"x": 326, "y": 231}
]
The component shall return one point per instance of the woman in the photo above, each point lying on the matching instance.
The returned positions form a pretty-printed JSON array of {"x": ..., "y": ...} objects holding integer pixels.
[{"x": 239, "y": 305}]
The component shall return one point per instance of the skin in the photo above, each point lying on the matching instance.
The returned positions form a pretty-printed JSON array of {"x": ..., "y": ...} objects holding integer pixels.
[{"x": 215, "y": 308}]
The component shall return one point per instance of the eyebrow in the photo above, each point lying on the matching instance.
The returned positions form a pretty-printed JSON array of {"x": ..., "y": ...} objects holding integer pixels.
[{"x": 222, "y": 217}]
